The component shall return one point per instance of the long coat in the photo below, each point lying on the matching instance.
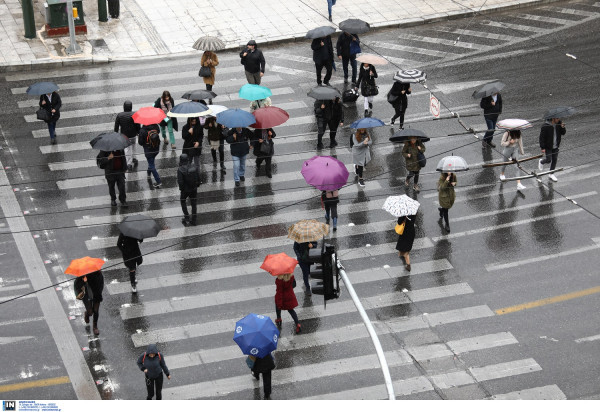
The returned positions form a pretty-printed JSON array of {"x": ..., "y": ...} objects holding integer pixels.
[
  {"x": 446, "y": 194},
  {"x": 256, "y": 145},
  {"x": 264, "y": 364},
  {"x": 55, "y": 104},
  {"x": 215, "y": 62},
  {"x": 130, "y": 249},
  {"x": 402, "y": 101},
  {"x": 94, "y": 286},
  {"x": 189, "y": 139},
  {"x": 285, "y": 298},
  {"x": 365, "y": 78},
  {"x": 406, "y": 239},
  {"x": 412, "y": 164},
  {"x": 361, "y": 152},
  {"x": 173, "y": 119}
]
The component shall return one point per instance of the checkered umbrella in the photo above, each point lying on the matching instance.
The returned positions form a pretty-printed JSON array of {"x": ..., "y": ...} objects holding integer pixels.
[
  {"x": 401, "y": 206},
  {"x": 410, "y": 76},
  {"x": 308, "y": 230}
]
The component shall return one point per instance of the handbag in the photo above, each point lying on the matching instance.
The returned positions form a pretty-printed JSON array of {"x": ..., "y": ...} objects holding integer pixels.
[
  {"x": 391, "y": 98},
  {"x": 421, "y": 159},
  {"x": 205, "y": 71},
  {"x": 372, "y": 90},
  {"x": 265, "y": 147},
  {"x": 250, "y": 361},
  {"x": 400, "y": 228},
  {"x": 42, "y": 114},
  {"x": 354, "y": 47}
]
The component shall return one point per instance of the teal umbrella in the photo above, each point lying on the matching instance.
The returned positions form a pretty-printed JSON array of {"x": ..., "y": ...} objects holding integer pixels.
[{"x": 254, "y": 92}]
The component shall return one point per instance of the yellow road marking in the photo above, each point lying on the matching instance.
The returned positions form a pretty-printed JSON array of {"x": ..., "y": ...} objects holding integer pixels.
[
  {"x": 34, "y": 384},
  {"x": 547, "y": 301}
]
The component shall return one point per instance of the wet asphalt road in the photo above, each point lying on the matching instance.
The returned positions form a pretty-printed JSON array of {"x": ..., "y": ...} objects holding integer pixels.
[{"x": 441, "y": 325}]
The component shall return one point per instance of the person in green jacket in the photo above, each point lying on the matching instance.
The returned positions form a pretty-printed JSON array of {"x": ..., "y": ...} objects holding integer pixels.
[
  {"x": 446, "y": 195},
  {"x": 410, "y": 152}
]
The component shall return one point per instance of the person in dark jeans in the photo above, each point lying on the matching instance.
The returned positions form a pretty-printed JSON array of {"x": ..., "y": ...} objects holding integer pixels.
[
  {"x": 301, "y": 250},
  {"x": 550, "y": 137},
  {"x": 323, "y": 57},
  {"x": 337, "y": 120},
  {"x": 345, "y": 55},
  {"x": 401, "y": 90},
  {"x": 264, "y": 365},
  {"x": 216, "y": 139},
  {"x": 114, "y": 165},
  {"x": 52, "y": 103},
  {"x": 132, "y": 256},
  {"x": 188, "y": 179},
  {"x": 323, "y": 110},
  {"x": 129, "y": 128},
  {"x": 152, "y": 363},
  {"x": 149, "y": 151},
  {"x": 492, "y": 107}
]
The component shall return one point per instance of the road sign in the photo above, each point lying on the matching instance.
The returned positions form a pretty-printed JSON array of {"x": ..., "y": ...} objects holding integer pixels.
[{"x": 434, "y": 106}]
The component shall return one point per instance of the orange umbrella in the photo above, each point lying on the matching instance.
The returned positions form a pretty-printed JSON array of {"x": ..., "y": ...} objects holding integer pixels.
[
  {"x": 279, "y": 264},
  {"x": 84, "y": 266}
]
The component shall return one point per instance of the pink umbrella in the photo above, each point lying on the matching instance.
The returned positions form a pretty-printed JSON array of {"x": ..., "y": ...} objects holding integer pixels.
[
  {"x": 325, "y": 173},
  {"x": 270, "y": 116},
  {"x": 148, "y": 115}
]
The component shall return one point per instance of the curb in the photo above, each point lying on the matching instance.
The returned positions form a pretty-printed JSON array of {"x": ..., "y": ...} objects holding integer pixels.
[{"x": 418, "y": 21}]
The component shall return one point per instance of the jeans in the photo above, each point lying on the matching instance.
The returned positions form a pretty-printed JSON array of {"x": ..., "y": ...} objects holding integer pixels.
[
  {"x": 150, "y": 156},
  {"x": 551, "y": 157},
  {"x": 321, "y": 126},
  {"x": 193, "y": 195},
  {"x": 239, "y": 167},
  {"x": 352, "y": 60},
  {"x": 490, "y": 122},
  {"x": 329, "y": 5},
  {"x": 52, "y": 130},
  {"x": 510, "y": 152},
  {"x": 151, "y": 383},
  {"x": 170, "y": 128},
  {"x": 305, "y": 273},
  {"x": 119, "y": 179},
  {"x": 328, "y": 72},
  {"x": 329, "y": 207}
]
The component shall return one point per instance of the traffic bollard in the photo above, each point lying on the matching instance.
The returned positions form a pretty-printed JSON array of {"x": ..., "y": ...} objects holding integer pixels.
[{"x": 28, "y": 19}]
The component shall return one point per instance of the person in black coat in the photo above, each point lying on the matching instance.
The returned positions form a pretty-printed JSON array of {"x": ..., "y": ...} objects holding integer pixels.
[
  {"x": 337, "y": 120},
  {"x": 216, "y": 139},
  {"x": 238, "y": 139},
  {"x": 264, "y": 365},
  {"x": 129, "y": 128},
  {"x": 492, "y": 107},
  {"x": 301, "y": 250},
  {"x": 132, "y": 256},
  {"x": 323, "y": 57},
  {"x": 406, "y": 239},
  {"x": 366, "y": 82},
  {"x": 345, "y": 55},
  {"x": 401, "y": 91},
  {"x": 88, "y": 288},
  {"x": 323, "y": 110},
  {"x": 188, "y": 179},
  {"x": 254, "y": 62},
  {"x": 264, "y": 136},
  {"x": 114, "y": 165},
  {"x": 52, "y": 103},
  {"x": 153, "y": 364},
  {"x": 192, "y": 134},
  {"x": 550, "y": 137}
]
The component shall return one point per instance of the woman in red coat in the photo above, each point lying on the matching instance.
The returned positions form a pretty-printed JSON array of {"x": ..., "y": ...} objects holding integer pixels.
[{"x": 285, "y": 298}]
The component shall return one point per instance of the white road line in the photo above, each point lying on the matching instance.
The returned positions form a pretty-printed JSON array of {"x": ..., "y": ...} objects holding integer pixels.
[
  {"x": 15, "y": 287},
  {"x": 574, "y": 12},
  {"x": 542, "y": 393},
  {"x": 493, "y": 56},
  {"x": 410, "y": 49},
  {"x": 503, "y": 370},
  {"x": 521, "y": 27},
  {"x": 446, "y": 42},
  {"x": 487, "y": 341},
  {"x": 5, "y": 340},
  {"x": 482, "y": 34},
  {"x": 588, "y": 339},
  {"x": 546, "y": 19},
  {"x": 17, "y": 321},
  {"x": 293, "y": 72},
  {"x": 290, "y": 57}
]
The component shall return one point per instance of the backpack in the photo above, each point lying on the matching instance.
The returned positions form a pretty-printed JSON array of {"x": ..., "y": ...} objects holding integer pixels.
[
  {"x": 153, "y": 139},
  {"x": 190, "y": 177},
  {"x": 98, "y": 163},
  {"x": 144, "y": 358}
]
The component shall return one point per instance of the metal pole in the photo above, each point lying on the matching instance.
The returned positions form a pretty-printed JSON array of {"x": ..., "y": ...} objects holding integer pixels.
[
  {"x": 73, "y": 46},
  {"x": 363, "y": 314},
  {"x": 28, "y": 19},
  {"x": 102, "y": 11}
]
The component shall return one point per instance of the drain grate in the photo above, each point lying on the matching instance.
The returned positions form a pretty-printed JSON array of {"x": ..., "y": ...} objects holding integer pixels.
[{"x": 98, "y": 43}]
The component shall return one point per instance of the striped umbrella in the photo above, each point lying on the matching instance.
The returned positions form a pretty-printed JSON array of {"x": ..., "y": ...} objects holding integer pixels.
[
  {"x": 410, "y": 76},
  {"x": 209, "y": 43},
  {"x": 401, "y": 206},
  {"x": 308, "y": 230}
]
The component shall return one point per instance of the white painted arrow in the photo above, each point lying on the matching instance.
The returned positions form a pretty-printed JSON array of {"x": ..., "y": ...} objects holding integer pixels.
[{"x": 4, "y": 340}]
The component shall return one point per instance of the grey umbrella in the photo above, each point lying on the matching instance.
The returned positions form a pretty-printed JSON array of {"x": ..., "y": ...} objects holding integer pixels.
[
  {"x": 355, "y": 26},
  {"x": 320, "y": 32},
  {"x": 488, "y": 90},
  {"x": 209, "y": 43},
  {"x": 109, "y": 142},
  {"x": 199, "y": 95},
  {"x": 451, "y": 164},
  {"x": 406, "y": 134},
  {"x": 324, "y": 93},
  {"x": 37, "y": 89},
  {"x": 139, "y": 227},
  {"x": 559, "y": 112}
]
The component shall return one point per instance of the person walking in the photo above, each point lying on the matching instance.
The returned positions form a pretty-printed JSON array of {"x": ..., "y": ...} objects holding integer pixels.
[
  {"x": 254, "y": 62},
  {"x": 492, "y": 107},
  {"x": 238, "y": 139},
  {"x": 400, "y": 91},
  {"x": 361, "y": 153},
  {"x": 323, "y": 110},
  {"x": 124, "y": 122},
  {"x": 368, "y": 88},
  {"x": 264, "y": 366},
  {"x": 346, "y": 46},
  {"x": 192, "y": 134},
  {"x": 285, "y": 299},
  {"x": 301, "y": 250},
  {"x": 216, "y": 139},
  {"x": 405, "y": 240},
  {"x": 132, "y": 256},
  {"x": 264, "y": 148},
  {"x": 330, "y": 200},
  {"x": 166, "y": 103},
  {"x": 257, "y": 104},
  {"x": 150, "y": 141},
  {"x": 511, "y": 142},
  {"x": 446, "y": 195},
  {"x": 330, "y": 4},
  {"x": 410, "y": 152},
  {"x": 152, "y": 363},
  {"x": 188, "y": 179},
  {"x": 550, "y": 137},
  {"x": 337, "y": 120},
  {"x": 88, "y": 289},
  {"x": 323, "y": 57},
  {"x": 209, "y": 59},
  {"x": 114, "y": 164},
  {"x": 52, "y": 103}
]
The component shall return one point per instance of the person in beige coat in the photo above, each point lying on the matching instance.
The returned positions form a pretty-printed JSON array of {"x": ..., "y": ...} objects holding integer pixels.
[
  {"x": 511, "y": 142},
  {"x": 210, "y": 59}
]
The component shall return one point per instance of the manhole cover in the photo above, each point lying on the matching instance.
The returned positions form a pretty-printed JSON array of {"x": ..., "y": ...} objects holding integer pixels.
[{"x": 98, "y": 43}]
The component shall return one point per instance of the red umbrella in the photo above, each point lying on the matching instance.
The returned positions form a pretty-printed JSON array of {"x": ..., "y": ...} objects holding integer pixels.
[
  {"x": 84, "y": 266},
  {"x": 148, "y": 115},
  {"x": 270, "y": 116},
  {"x": 279, "y": 264}
]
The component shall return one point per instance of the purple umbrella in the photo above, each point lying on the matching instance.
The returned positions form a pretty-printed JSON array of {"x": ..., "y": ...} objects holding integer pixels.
[{"x": 325, "y": 173}]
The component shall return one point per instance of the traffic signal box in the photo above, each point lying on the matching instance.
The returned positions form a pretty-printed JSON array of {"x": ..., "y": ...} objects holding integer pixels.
[{"x": 325, "y": 271}]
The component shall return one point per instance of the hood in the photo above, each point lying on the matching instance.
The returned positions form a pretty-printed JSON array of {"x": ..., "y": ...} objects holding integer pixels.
[
  {"x": 152, "y": 348},
  {"x": 127, "y": 106},
  {"x": 183, "y": 159},
  {"x": 252, "y": 43}
]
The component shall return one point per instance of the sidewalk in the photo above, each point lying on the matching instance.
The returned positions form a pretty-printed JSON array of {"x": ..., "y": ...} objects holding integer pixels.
[{"x": 158, "y": 28}]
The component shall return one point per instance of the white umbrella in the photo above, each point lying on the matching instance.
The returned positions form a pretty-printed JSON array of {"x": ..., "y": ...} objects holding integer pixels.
[
  {"x": 371, "y": 59},
  {"x": 401, "y": 206},
  {"x": 513, "y": 124},
  {"x": 451, "y": 164},
  {"x": 410, "y": 76},
  {"x": 215, "y": 109}
]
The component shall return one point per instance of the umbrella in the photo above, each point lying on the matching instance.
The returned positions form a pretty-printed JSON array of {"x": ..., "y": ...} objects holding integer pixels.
[
  {"x": 235, "y": 118},
  {"x": 139, "y": 227},
  {"x": 452, "y": 164},
  {"x": 405, "y": 135},
  {"x": 401, "y": 206},
  {"x": 189, "y": 109},
  {"x": 109, "y": 142},
  {"x": 269, "y": 117},
  {"x": 83, "y": 266},
  {"x": 559, "y": 112},
  {"x": 324, "y": 93},
  {"x": 199, "y": 95},
  {"x": 308, "y": 230},
  {"x": 254, "y": 92},
  {"x": 148, "y": 115},
  {"x": 367, "y": 122},
  {"x": 513, "y": 124},
  {"x": 256, "y": 335},
  {"x": 279, "y": 264},
  {"x": 37, "y": 89},
  {"x": 410, "y": 76},
  {"x": 371, "y": 59},
  {"x": 215, "y": 109},
  {"x": 488, "y": 90},
  {"x": 320, "y": 32},
  {"x": 325, "y": 172},
  {"x": 209, "y": 43},
  {"x": 355, "y": 26}
]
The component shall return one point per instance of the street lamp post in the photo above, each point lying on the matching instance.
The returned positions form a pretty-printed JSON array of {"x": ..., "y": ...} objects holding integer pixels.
[{"x": 73, "y": 46}]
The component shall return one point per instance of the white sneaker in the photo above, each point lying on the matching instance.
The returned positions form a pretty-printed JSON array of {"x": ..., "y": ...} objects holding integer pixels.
[
  {"x": 520, "y": 186},
  {"x": 553, "y": 178},
  {"x": 502, "y": 177},
  {"x": 540, "y": 165}
]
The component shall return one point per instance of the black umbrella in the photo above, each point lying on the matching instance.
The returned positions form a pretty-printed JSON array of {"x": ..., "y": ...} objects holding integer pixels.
[
  {"x": 559, "y": 112},
  {"x": 109, "y": 142},
  {"x": 488, "y": 90},
  {"x": 199, "y": 95},
  {"x": 320, "y": 32},
  {"x": 406, "y": 134},
  {"x": 355, "y": 26},
  {"x": 37, "y": 89},
  {"x": 324, "y": 93},
  {"x": 139, "y": 227}
]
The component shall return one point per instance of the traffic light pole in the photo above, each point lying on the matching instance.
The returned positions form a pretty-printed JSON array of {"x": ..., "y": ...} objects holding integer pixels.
[
  {"x": 363, "y": 314},
  {"x": 73, "y": 46}
]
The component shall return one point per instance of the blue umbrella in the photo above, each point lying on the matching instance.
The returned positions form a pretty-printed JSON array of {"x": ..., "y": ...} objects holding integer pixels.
[
  {"x": 189, "y": 109},
  {"x": 256, "y": 335},
  {"x": 37, "y": 89},
  {"x": 367, "y": 122},
  {"x": 254, "y": 92},
  {"x": 235, "y": 118}
]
